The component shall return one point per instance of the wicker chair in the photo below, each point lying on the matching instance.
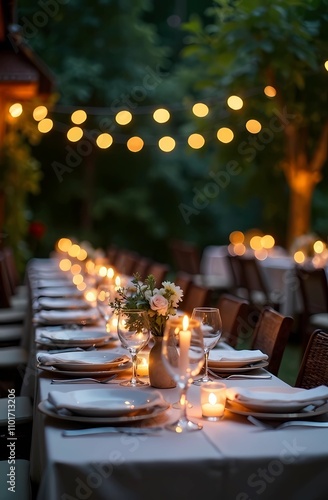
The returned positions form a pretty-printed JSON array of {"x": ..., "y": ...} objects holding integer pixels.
[
  {"x": 314, "y": 366},
  {"x": 271, "y": 335},
  {"x": 196, "y": 296},
  {"x": 314, "y": 292},
  {"x": 235, "y": 318}
]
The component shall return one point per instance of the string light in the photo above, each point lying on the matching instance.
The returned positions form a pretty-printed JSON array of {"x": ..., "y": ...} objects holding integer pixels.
[
  {"x": 74, "y": 134},
  {"x": 200, "y": 109},
  {"x": 234, "y": 102},
  {"x": 79, "y": 116},
  {"x": 161, "y": 115},
  {"x": 39, "y": 113},
  {"x": 166, "y": 144},
  {"x": 123, "y": 117},
  {"x": 225, "y": 135},
  {"x": 196, "y": 141},
  {"x": 253, "y": 126},
  {"x": 16, "y": 110},
  {"x": 45, "y": 125},
  {"x": 270, "y": 91},
  {"x": 135, "y": 144},
  {"x": 104, "y": 141}
]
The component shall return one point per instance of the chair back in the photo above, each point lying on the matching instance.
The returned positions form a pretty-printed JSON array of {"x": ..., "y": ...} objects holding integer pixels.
[
  {"x": 235, "y": 317},
  {"x": 185, "y": 256},
  {"x": 314, "y": 289},
  {"x": 5, "y": 288},
  {"x": 314, "y": 365},
  {"x": 271, "y": 335},
  {"x": 159, "y": 271},
  {"x": 196, "y": 296}
]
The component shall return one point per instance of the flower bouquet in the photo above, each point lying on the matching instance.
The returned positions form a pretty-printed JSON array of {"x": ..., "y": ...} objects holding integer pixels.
[{"x": 160, "y": 303}]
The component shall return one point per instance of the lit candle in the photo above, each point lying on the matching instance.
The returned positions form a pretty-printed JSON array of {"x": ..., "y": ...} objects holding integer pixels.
[
  {"x": 213, "y": 398},
  {"x": 184, "y": 344},
  {"x": 142, "y": 367}
]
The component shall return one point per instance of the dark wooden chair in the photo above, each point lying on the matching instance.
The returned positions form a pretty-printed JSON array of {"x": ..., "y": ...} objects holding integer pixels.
[
  {"x": 236, "y": 319},
  {"x": 196, "y": 296},
  {"x": 314, "y": 365},
  {"x": 253, "y": 280},
  {"x": 271, "y": 335},
  {"x": 159, "y": 271},
  {"x": 313, "y": 287}
]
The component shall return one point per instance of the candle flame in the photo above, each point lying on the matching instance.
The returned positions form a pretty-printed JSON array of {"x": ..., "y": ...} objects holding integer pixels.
[
  {"x": 185, "y": 323},
  {"x": 212, "y": 399}
]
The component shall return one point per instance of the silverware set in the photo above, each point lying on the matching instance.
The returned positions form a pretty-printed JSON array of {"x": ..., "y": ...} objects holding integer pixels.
[{"x": 292, "y": 423}]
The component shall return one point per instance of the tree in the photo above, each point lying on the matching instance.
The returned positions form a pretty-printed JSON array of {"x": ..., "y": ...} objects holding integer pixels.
[{"x": 247, "y": 46}]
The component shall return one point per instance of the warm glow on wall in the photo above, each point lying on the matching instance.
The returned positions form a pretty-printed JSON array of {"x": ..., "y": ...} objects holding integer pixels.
[
  {"x": 74, "y": 134},
  {"x": 104, "y": 141},
  {"x": 166, "y": 144},
  {"x": 225, "y": 135},
  {"x": 196, "y": 141},
  {"x": 45, "y": 125},
  {"x": 39, "y": 113},
  {"x": 123, "y": 117},
  {"x": 16, "y": 110},
  {"x": 200, "y": 109},
  {"x": 253, "y": 126},
  {"x": 79, "y": 116},
  {"x": 270, "y": 91},
  {"x": 235, "y": 102},
  {"x": 161, "y": 115},
  {"x": 135, "y": 144}
]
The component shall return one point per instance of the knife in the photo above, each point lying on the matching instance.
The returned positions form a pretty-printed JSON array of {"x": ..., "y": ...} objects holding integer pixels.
[{"x": 112, "y": 430}]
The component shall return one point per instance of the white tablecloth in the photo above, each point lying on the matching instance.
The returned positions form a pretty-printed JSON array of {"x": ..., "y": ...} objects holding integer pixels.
[{"x": 228, "y": 460}]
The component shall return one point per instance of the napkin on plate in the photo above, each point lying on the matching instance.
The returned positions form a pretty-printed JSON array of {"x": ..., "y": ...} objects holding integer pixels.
[
  {"x": 53, "y": 359},
  {"x": 276, "y": 394},
  {"x": 244, "y": 355}
]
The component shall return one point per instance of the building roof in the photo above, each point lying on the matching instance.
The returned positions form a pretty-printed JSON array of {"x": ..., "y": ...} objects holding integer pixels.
[{"x": 22, "y": 73}]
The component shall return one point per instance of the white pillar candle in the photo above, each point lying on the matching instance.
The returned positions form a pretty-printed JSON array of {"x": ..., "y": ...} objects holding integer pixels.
[{"x": 184, "y": 344}]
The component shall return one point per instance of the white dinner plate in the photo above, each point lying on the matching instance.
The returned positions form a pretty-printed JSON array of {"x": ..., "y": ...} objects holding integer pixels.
[
  {"x": 242, "y": 369},
  {"x": 63, "y": 303},
  {"x": 214, "y": 360},
  {"x": 54, "y": 317},
  {"x": 86, "y": 373},
  {"x": 87, "y": 360},
  {"x": 144, "y": 414},
  {"x": 72, "y": 337},
  {"x": 65, "y": 291},
  {"x": 105, "y": 402},
  {"x": 241, "y": 410},
  {"x": 274, "y": 406}
]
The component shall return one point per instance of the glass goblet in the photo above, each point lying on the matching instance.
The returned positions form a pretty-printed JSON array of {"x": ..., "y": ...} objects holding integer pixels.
[
  {"x": 104, "y": 295},
  {"x": 186, "y": 335},
  {"x": 134, "y": 332},
  {"x": 211, "y": 327}
]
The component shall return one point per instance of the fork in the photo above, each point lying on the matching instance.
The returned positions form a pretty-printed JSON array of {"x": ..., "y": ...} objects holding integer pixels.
[
  {"x": 291, "y": 423},
  {"x": 83, "y": 380}
]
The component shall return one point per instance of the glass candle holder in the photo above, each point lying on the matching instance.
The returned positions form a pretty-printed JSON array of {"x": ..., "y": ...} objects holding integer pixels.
[
  {"x": 213, "y": 400},
  {"x": 142, "y": 364}
]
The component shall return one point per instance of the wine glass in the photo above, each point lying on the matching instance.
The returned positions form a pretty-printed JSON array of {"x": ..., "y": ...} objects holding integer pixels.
[
  {"x": 184, "y": 363},
  {"x": 104, "y": 293},
  {"x": 211, "y": 327},
  {"x": 134, "y": 332}
]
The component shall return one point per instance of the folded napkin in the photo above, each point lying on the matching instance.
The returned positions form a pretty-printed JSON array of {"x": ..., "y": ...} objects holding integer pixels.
[
  {"x": 244, "y": 355},
  {"x": 54, "y": 359},
  {"x": 277, "y": 394},
  {"x": 70, "y": 314}
]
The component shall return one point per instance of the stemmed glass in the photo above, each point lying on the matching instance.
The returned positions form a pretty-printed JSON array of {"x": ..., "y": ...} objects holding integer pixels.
[
  {"x": 211, "y": 327},
  {"x": 184, "y": 363},
  {"x": 104, "y": 293},
  {"x": 134, "y": 332}
]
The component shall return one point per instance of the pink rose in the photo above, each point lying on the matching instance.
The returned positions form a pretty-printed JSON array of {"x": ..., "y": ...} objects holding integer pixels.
[{"x": 159, "y": 304}]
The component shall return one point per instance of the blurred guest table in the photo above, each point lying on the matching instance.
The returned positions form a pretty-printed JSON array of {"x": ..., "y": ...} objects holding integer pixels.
[{"x": 278, "y": 269}]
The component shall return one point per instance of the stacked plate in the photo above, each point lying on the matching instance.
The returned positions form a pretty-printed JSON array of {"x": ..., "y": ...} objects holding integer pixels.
[
  {"x": 62, "y": 317},
  {"x": 277, "y": 402},
  {"x": 83, "y": 363},
  {"x": 224, "y": 361},
  {"x": 53, "y": 338},
  {"x": 104, "y": 405}
]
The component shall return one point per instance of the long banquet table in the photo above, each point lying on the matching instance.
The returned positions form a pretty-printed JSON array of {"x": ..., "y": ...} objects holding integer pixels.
[{"x": 229, "y": 459}]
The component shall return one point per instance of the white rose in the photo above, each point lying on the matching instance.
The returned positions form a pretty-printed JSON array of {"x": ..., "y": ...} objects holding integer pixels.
[{"x": 159, "y": 304}]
